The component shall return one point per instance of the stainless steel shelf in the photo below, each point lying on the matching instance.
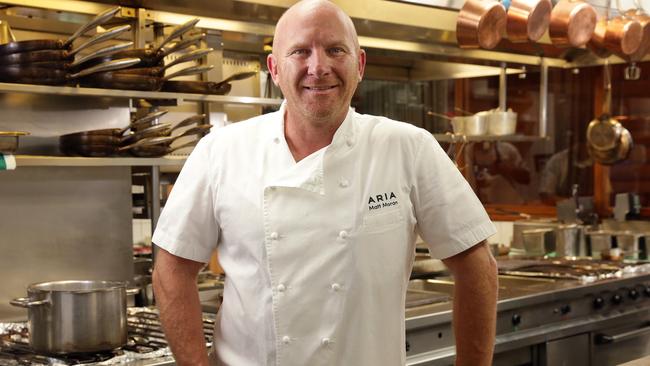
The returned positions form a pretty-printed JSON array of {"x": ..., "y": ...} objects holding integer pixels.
[
  {"x": 37, "y": 160},
  {"x": 115, "y": 93},
  {"x": 448, "y": 137}
]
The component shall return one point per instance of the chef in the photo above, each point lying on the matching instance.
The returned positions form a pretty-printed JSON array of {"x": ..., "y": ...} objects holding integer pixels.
[{"x": 314, "y": 211}]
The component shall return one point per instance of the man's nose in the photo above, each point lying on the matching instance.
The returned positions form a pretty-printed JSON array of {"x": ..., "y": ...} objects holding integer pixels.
[{"x": 319, "y": 64}]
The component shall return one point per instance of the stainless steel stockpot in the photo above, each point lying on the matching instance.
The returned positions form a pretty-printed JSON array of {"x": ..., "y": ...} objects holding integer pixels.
[{"x": 76, "y": 316}]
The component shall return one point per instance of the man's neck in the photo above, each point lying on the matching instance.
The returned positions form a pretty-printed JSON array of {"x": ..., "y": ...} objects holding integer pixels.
[{"x": 304, "y": 137}]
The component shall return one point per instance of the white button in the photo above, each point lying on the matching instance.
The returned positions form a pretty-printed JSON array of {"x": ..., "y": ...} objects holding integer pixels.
[
  {"x": 281, "y": 287},
  {"x": 349, "y": 142},
  {"x": 325, "y": 341},
  {"x": 343, "y": 234},
  {"x": 274, "y": 236},
  {"x": 344, "y": 183},
  {"x": 286, "y": 339},
  {"x": 335, "y": 286},
  {"x": 276, "y": 140}
]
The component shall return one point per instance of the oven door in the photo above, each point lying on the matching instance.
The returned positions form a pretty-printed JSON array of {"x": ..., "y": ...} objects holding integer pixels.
[{"x": 618, "y": 345}]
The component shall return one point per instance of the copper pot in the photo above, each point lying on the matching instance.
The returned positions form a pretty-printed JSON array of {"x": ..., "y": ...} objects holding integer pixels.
[
  {"x": 528, "y": 20},
  {"x": 623, "y": 36},
  {"x": 572, "y": 23},
  {"x": 644, "y": 47},
  {"x": 597, "y": 42},
  {"x": 480, "y": 24}
]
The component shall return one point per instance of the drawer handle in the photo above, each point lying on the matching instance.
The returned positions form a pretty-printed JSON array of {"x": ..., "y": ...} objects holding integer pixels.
[{"x": 603, "y": 338}]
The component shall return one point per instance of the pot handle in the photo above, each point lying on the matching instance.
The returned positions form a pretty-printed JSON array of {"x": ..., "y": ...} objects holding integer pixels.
[
  {"x": 25, "y": 302},
  {"x": 133, "y": 291}
]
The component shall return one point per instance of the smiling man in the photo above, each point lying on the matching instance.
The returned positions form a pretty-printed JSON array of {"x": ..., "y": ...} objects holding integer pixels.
[{"x": 314, "y": 211}]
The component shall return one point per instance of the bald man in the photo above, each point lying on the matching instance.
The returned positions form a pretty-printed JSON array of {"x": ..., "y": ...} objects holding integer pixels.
[{"x": 314, "y": 211}]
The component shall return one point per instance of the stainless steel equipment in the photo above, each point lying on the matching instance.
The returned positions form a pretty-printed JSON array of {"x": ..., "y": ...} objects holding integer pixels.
[
  {"x": 146, "y": 344},
  {"x": 599, "y": 315},
  {"x": 76, "y": 316}
]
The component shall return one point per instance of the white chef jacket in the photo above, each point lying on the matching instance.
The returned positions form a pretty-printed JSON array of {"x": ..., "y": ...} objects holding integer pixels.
[{"x": 318, "y": 253}]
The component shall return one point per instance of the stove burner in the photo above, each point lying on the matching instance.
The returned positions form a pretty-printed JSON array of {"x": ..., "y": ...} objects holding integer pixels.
[{"x": 145, "y": 340}]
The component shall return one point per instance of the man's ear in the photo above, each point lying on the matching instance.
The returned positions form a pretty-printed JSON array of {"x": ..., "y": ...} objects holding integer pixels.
[
  {"x": 362, "y": 63},
  {"x": 272, "y": 65}
]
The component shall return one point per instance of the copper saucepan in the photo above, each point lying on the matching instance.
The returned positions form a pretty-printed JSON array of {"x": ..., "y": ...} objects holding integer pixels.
[
  {"x": 572, "y": 23},
  {"x": 480, "y": 24},
  {"x": 623, "y": 36},
  {"x": 644, "y": 47},
  {"x": 528, "y": 20}
]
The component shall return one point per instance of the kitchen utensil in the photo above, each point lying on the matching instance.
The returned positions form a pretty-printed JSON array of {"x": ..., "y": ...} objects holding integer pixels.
[
  {"x": 160, "y": 71},
  {"x": 6, "y": 35},
  {"x": 49, "y": 44},
  {"x": 75, "y": 316},
  {"x": 640, "y": 15},
  {"x": 154, "y": 151},
  {"x": 9, "y": 141},
  {"x": 572, "y": 23},
  {"x": 567, "y": 240},
  {"x": 146, "y": 121},
  {"x": 538, "y": 242},
  {"x": 113, "y": 80},
  {"x": 597, "y": 42},
  {"x": 196, "y": 87},
  {"x": 502, "y": 123},
  {"x": 476, "y": 124},
  {"x": 480, "y": 23},
  {"x": 623, "y": 35},
  {"x": 166, "y": 140},
  {"x": 527, "y": 20},
  {"x": 151, "y": 57}
]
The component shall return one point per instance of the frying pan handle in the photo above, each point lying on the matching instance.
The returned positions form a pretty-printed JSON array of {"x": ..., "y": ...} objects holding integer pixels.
[
  {"x": 188, "y": 121},
  {"x": 191, "y": 56},
  {"x": 148, "y": 141},
  {"x": 103, "y": 52},
  {"x": 189, "y": 71},
  {"x": 177, "y": 32},
  {"x": 187, "y": 144},
  {"x": 107, "y": 66},
  {"x": 196, "y": 130},
  {"x": 25, "y": 302},
  {"x": 180, "y": 45},
  {"x": 148, "y": 118},
  {"x": 99, "y": 19},
  {"x": 101, "y": 37}
]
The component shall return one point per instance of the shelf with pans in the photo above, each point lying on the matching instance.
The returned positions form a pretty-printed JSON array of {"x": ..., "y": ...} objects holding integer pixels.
[
  {"x": 38, "y": 160},
  {"x": 453, "y": 138},
  {"x": 115, "y": 93}
]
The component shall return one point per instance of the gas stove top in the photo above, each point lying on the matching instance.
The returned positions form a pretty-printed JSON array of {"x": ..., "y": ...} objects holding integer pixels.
[{"x": 146, "y": 344}]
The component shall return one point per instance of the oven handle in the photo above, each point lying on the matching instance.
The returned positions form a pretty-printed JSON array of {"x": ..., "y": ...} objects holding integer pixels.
[{"x": 603, "y": 338}]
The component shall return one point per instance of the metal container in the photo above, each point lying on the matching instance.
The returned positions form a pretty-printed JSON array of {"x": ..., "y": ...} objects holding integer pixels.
[
  {"x": 538, "y": 242},
  {"x": 9, "y": 141},
  {"x": 477, "y": 124},
  {"x": 76, "y": 316},
  {"x": 599, "y": 242},
  {"x": 567, "y": 240},
  {"x": 502, "y": 123}
]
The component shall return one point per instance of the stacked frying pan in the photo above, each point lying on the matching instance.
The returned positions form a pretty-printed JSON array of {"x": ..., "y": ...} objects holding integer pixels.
[
  {"x": 151, "y": 72},
  {"x": 52, "y": 62},
  {"x": 145, "y": 138}
]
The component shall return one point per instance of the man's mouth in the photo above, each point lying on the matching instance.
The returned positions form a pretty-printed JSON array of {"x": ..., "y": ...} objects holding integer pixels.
[{"x": 320, "y": 87}]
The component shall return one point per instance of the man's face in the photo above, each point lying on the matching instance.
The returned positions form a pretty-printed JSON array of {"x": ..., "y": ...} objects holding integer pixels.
[{"x": 317, "y": 65}]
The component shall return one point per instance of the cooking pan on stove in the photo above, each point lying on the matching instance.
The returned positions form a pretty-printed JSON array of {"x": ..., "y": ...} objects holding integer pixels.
[
  {"x": 205, "y": 87},
  {"x": 153, "y": 56},
  {"x": 62, "y": 55},
  {"x": 113, "y": 80},
  {"x": 50, "y": 44}
]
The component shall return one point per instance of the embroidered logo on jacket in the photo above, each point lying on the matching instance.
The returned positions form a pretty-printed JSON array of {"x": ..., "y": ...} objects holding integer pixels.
[{"x": 382, "y": 200}]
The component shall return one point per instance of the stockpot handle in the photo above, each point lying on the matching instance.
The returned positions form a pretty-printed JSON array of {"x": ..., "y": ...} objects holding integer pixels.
[{"x": 25, "y": 302}]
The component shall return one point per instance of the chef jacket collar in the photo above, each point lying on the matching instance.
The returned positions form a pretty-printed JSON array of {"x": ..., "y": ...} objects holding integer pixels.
[{"x": 308, "y": 173}]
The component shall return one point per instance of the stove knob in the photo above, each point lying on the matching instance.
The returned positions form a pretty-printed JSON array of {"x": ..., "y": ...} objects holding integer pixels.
[
  {"x": 617, "y": 299},
  {"x": 516, "y": 319},
  {"x": 634, "y": 294},
  {"x": 599, "y": 302},
  {"x": 565, "y": 309}
]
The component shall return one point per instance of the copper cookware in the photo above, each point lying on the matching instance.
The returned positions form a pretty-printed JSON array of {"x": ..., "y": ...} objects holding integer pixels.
[
  {"x": 528, "y": 20},
  {"x": 572, "y": 23},
  {"x": 597, "y": 42},
  {"x": 623, "y": 36},
  {"x": 480, "y": 24},
  {"x": 644, "y": 47}
]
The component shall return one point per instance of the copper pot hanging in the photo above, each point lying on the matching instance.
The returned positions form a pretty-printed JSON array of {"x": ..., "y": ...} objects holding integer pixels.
[
  {"x": 597, "y": 42},
  {"x": 644, "y": 47},
  {"x": 528, "y": 20},
  {"x": 623, "y": 36},
  {"x": 480, "y": 24},
  {"x": 572, "y": 23}
]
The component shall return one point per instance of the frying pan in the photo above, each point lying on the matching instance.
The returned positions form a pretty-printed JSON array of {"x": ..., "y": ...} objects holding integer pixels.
[
  {"x": 154, "y": 56},
  {"x": 161, "y": 143},
  {"x": 146, "y": 121},
  {"x": 50, "y": 44},
  {"x": 160, "y": 71},
  {"x": 40, "y": 75},
  {"x": 112, "y": 80},
  {"x": 60, "y": 55},
  {"x": 206, "y": 87},
  {"x": 162, "y": 129},
  {"x": 155, "y": 151}
]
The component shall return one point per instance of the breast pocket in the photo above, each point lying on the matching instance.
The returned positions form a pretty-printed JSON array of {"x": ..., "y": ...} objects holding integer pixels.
[{"x": 382, "y": 221}]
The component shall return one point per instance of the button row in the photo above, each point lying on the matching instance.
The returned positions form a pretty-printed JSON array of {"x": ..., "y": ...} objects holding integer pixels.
[
  {"x": 325, "y": 341},
  {"x": 342, "y": 235}
]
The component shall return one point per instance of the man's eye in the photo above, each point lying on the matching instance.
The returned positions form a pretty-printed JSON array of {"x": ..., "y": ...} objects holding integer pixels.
[
  {"x": 336, "y": 50},
  {"x": 299, "y": 52}
]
